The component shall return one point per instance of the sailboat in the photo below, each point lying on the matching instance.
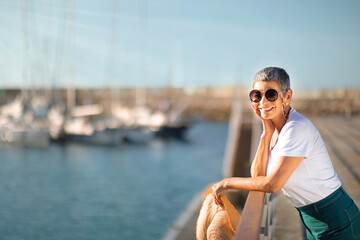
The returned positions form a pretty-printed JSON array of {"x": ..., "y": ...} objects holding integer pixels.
[
  {"x": 20, "y": 126},
  {"x": 174, "y": 124}
]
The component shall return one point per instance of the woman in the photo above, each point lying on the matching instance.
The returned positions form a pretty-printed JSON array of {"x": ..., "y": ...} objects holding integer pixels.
[{"x": 292, "y": 156}]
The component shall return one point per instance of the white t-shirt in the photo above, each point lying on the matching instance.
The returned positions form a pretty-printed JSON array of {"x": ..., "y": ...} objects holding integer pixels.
[{"x": 315, "y": 177}]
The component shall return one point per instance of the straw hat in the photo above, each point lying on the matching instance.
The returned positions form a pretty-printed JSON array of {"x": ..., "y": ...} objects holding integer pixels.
[{"x": 216, "y": 222}]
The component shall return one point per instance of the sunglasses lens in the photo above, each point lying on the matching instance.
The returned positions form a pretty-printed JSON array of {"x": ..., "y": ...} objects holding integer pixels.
[
  {"x": 271, "y": 95},
  {"x": 255, "y": 96}
]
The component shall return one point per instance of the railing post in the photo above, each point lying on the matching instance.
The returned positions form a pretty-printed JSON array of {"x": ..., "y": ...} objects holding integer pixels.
[
  {"x": 267, "y": 229},
  {"x": 258, "y": 217},
  {"x": 251, "y": 216}
]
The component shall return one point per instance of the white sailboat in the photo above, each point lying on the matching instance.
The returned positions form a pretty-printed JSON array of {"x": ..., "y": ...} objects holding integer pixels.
[{"x": 20, "y": 127}]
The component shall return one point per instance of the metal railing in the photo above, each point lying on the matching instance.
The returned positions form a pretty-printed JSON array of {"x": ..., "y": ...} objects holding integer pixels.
[{"x": 258, "y": 217}]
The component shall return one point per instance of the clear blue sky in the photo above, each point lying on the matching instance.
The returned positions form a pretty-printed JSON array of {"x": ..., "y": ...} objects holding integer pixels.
[{"x": 95, "y": 43}]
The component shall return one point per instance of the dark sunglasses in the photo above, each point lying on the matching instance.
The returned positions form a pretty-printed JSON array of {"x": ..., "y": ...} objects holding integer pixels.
[{"x": 270, "y": 94}]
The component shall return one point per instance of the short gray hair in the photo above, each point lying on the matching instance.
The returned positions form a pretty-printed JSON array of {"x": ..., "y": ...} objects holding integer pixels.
[{"x": 276, "y": 74}]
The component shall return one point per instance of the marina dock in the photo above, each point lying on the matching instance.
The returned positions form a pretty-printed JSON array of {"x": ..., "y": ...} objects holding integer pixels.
[{"x": 342, "y": 138}]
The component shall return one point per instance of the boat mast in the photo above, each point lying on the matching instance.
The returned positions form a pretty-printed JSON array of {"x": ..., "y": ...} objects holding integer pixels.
[
  {"x": 69, "y": 52},
  {"x": 141, "y": 98},
  {"x": 110, "y": 93}
]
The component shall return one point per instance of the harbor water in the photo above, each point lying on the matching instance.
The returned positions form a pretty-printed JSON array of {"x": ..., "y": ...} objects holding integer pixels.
[{"x": 72, "y": 191}]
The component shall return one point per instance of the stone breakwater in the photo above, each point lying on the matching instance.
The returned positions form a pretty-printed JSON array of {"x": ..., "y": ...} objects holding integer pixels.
[
  {"x": 220, "y": 110},
  {"x": 208, "y": 103}
]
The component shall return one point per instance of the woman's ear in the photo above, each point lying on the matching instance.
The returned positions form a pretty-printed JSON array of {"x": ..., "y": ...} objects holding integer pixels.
[{"x": 288, "y": 97}]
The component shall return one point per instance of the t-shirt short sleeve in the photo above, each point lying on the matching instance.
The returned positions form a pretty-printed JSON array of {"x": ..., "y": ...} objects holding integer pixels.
[{"x": 295, "y": 142}]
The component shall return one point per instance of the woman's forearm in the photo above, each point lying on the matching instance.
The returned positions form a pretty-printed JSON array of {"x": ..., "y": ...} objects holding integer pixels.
[
  {"x": 259, "y": 164},
  {"x": 260, "y": 183}
]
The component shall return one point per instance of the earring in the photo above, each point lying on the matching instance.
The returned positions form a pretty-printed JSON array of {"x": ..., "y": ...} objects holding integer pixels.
[{"x": 283, "y": 108}]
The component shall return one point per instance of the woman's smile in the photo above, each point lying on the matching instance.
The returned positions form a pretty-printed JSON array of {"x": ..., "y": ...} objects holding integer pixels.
[{"x": 265, "y": 109}]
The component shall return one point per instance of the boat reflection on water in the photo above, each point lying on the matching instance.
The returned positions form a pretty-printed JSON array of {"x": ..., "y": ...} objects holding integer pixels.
[{"x": 84, "y": 192}]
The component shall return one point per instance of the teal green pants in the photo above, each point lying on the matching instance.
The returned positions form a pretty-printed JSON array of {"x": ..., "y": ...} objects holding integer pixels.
[{"x": 334, "y": 217}]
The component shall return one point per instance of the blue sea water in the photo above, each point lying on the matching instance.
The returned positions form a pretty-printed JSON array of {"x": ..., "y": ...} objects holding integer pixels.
[{"x": 85, "y": 192}]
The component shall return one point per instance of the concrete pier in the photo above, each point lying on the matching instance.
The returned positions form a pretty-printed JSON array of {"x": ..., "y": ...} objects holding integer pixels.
[{"x": 342, "y": 138}]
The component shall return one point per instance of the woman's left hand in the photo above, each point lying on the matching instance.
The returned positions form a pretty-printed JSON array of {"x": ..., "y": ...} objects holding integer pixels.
[{"x": 219, "y": 189}]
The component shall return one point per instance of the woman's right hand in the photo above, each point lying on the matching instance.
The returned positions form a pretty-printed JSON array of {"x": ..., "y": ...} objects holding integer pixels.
[{"x": 268, "y": 125}]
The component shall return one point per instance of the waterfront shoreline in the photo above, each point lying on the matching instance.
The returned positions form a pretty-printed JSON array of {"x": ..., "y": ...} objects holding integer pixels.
[{"x": 208, "y": 103}]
